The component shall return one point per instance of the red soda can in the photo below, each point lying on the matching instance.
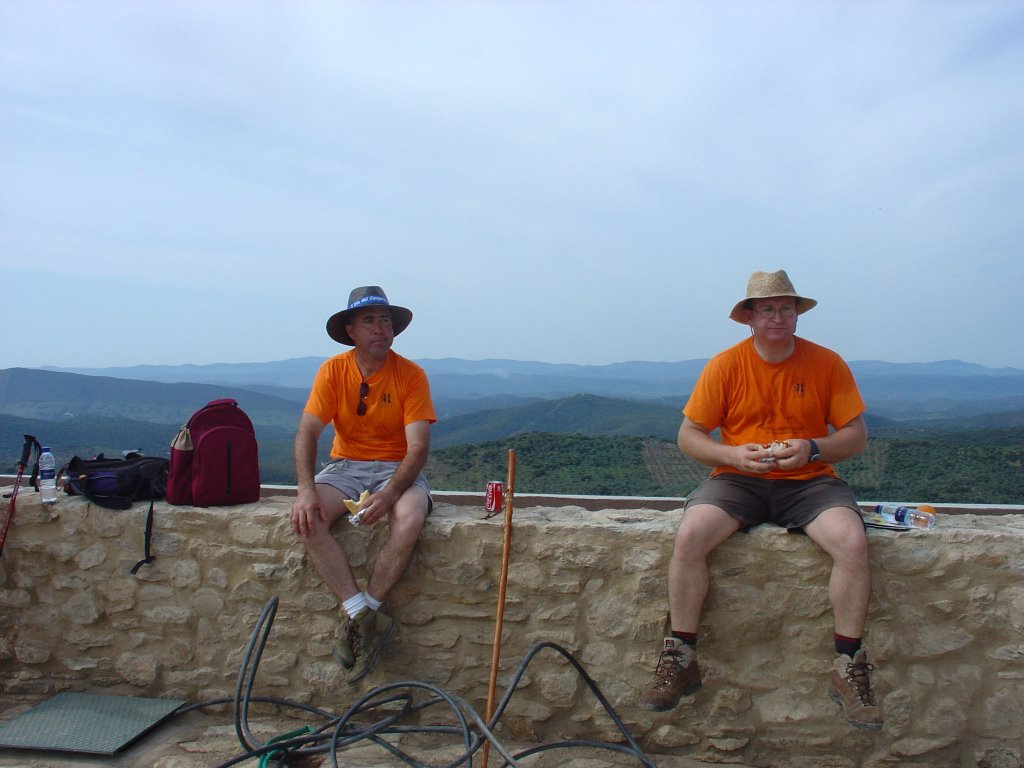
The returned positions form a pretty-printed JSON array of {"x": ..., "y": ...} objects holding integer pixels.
[{"x": 492, "y": 496}]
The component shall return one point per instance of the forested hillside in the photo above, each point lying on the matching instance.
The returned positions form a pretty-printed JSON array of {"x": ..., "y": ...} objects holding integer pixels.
[
  {"x": 582, "y": 444},
  {"x": 984, "y": 466},
  {"x": 579, "y": 414},
  {"x": 966, "y": 467},
  {"x": 569, "y": 464}
]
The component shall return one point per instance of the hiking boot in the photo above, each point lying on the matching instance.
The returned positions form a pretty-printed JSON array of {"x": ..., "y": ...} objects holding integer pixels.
[
  {"x": 851, "y": 689},
  {"x": 365, "y": 637},
  {"x": 677, "y": 675}
]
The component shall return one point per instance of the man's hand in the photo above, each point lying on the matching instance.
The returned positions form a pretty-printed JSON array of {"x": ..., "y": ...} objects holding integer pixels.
[
  {"x": 375, "y": 506},
  {"x": 788, "y": 454},
  {"x": 305, "y": 511},
  {"x": 753, "y": 457}
]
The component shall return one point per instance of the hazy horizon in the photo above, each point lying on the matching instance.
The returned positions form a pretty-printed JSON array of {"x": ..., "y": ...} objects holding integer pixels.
[{"x": 500, "y": 359}]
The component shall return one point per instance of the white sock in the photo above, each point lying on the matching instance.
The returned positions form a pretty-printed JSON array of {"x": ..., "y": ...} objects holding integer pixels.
[
  {"x": 371, "y": 602},
  {"x": 355, "y": 605}
]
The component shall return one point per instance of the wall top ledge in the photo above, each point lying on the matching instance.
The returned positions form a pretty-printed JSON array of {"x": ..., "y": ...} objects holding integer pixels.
[
  {"x": 534, "y": 511},
  {"x": 595, "y": 503}
]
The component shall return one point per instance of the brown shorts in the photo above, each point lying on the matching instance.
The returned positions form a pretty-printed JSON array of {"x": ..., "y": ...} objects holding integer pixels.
[{"x": 791, "y": 504}]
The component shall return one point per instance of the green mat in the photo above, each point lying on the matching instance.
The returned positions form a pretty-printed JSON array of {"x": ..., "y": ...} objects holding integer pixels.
[{"x": 85, "y": 722}]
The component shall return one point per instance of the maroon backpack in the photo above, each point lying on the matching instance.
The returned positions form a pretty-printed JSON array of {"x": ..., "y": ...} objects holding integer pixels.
[{"x": 214, "y": 458}]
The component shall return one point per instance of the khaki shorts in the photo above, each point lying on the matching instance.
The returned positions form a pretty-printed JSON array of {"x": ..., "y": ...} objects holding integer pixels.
[
  {"x": 791, "y": 504},
  {"x": 352, "y": 477}
]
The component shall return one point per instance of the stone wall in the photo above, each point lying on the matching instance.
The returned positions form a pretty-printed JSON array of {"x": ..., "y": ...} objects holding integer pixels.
[{"x": 946, "y": 629}]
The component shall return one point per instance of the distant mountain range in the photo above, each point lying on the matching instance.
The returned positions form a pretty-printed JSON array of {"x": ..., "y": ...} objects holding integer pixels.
[
  {"x": 52, "y": 395},
  {"x": 477, "y": 402},
  {"x": 943, "y": 389}
]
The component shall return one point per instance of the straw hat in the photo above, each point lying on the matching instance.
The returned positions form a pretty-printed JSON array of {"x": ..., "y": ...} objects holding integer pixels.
[
  {"x": 366, "y": 296},
  {"x": 766, "y": 285}
]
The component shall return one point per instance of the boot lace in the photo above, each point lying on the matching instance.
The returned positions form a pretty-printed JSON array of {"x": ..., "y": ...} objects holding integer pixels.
[
  {"x": 670, "y": 664},
  {"x": 857, "y": 677},
  {"x": 355, "y": 638}
]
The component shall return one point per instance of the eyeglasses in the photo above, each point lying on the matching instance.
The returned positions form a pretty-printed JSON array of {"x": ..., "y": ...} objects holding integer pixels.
[
  {"x": 364, "y": 390},
  {"x": 767, "y": 313}
]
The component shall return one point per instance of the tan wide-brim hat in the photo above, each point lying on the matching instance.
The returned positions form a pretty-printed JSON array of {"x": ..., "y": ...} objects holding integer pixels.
[
  {"x": 766, "y": 285},
  {"x": 366, "y": 296}
]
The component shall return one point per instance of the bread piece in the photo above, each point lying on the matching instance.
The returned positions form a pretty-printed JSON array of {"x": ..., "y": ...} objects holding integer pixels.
[{"x": 353, "y": 505}]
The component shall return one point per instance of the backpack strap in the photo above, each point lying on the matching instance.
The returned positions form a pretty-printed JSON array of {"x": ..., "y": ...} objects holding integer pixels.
[{"x": 147, "y": 538}]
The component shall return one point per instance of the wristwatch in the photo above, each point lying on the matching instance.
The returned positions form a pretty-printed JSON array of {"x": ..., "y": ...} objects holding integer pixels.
[{"x": 815, "y": 453}]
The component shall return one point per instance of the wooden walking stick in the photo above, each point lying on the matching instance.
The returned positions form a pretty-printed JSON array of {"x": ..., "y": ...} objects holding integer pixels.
[{"x": 510, "y": 487}]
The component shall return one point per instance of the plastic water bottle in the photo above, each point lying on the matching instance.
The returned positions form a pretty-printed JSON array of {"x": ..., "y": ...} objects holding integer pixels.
[
  {"x": 922, "y": 517},
  {"x": 47, "y": 477}
]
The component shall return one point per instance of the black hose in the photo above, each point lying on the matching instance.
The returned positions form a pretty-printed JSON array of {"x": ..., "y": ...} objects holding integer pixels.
[{"x": 334, "y": 732}]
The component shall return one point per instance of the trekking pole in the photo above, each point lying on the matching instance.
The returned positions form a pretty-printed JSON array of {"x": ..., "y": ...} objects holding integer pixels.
[
  {"x": 510, "y": 489},
  {"x": 26, "y": 451}
]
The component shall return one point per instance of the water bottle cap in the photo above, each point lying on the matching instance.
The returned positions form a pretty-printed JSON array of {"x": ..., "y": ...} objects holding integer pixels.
[
  {"x": 45, "y": 449},
  {"x": 927, "y": 508}
]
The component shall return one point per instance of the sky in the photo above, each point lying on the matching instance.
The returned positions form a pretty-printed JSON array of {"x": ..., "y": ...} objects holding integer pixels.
[{"x": 573, "y": 182}]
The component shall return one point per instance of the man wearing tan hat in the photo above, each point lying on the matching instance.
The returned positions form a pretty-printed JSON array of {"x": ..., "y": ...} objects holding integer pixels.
[
  {"x": 380, "y": 407},
  {"x": 788, "y": 410}
]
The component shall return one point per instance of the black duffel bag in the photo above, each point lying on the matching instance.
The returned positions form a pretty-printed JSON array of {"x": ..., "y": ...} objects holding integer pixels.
[{"x": 116, "y": 483}]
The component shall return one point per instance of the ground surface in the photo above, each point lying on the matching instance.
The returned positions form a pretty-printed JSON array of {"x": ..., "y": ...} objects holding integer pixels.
[{"x": 207, "y": 739}]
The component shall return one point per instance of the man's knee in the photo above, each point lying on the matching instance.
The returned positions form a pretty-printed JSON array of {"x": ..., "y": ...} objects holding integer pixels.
[
  {"x": 332, "y": 507},
  {"x": 415, "y": 499},
  {"x": 317, "y": 531},
  {"x": 410, "y": 512},
  {"x": 855, "y": 547},
  {"x": 703, "y": 528},
  {"x": 840, "y": 531}
]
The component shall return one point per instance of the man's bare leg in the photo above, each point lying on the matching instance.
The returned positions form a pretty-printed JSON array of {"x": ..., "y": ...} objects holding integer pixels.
[
  {"x": 405, "y": 522},
  {"x": 703, "y": 528},
  {"x": 840, "y": 532},
  {"x": 325, "y": 552}
]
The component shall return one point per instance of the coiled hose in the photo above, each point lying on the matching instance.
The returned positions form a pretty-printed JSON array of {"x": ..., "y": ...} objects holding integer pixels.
[{"x": 335, "y": 732}]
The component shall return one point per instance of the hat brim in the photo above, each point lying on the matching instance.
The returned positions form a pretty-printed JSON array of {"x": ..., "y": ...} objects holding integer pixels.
[
  {"x": 400, "y": 319},
  {"x": 803, "y": 304}
]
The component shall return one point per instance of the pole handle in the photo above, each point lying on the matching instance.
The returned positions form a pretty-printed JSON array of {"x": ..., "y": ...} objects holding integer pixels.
[{"x": 26, "y": 450}]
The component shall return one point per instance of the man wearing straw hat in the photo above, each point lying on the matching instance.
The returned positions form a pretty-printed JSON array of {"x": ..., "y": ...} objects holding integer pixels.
[
  {"x": 788, "y": 410},
  {"x": 380, "y": 407}
]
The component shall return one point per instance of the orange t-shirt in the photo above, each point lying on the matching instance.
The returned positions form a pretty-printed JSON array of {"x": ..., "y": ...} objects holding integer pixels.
[
  {"x": 753, "y": 401},
  {"x": 399, "y": 395}
]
